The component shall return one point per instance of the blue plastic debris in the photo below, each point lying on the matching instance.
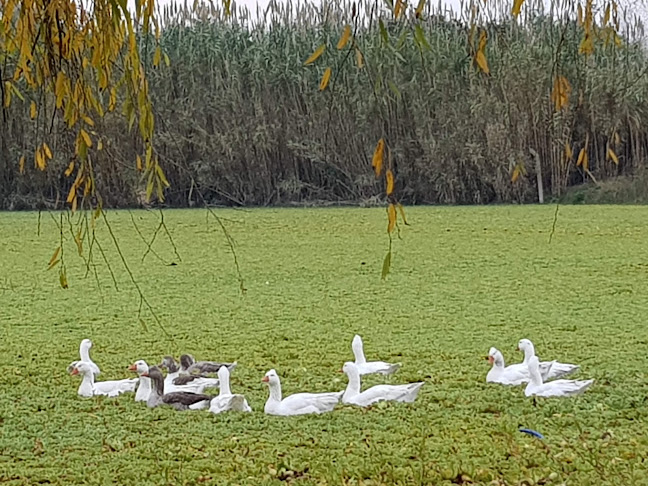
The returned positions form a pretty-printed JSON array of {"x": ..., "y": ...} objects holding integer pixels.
[{"x": 532, "y": 432}]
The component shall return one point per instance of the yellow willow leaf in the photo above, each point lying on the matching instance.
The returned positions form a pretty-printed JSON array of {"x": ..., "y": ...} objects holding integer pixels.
[
  {"x": 389, "y": 176},
  {"x": 398, "y": 8},
  {"x": 483, "y": 39},
  {"x": 86, "y": 137},
  {"x": 88, "y": 120},
  {"x": 7, "y": 94},
  {"x": 157, "y": 57},
  {"x": 419, "y": 8},
  {"x": 386, "y": 265},
  {"x": 606, "y": 16},
  {"x": 161, "y": 175},
  {"x": 315, "y": 55},
  {"x": 54, "y": 256},
  {"x": 402, "y": 213},
  {"x": 79, "y": 242},
  {"x": 582, "y": 158},
  {"x": 516, "y": 174},
  {"x": 377, "y": 160},
  {"x": 53, "y": 264},
  {"x": 21, "y": 165},
  {"x": 138, "y": 163},
  {"x": 391, "y": 218},
  {"x": 325, "y": 79},
  {"x": 40, "y": 160},
  {"x": 62, "y": 277},
  {"x": 359, "y": 58},
  {"x": 613, "y": 156},
  {"x": 69, "y": 169},
  {"x": 60, "y": 89},
  {"x": 517, "y": 7},
  {"x": 579, "y": 16},
  {"x": 167, "y": 61},
  {"x": 587, "y": 45},
  {"x": 47, "y": 151},
  {"x": 33, "y": 111},
  {"x": 344, "y": 40},
  {"x": 568, "y": 151},
  {"x": 149, "y": 156},
  {"x": 617, "y": 139},
  {"x": 480, "y": 59},
  {"x": 560, "y": 93}
]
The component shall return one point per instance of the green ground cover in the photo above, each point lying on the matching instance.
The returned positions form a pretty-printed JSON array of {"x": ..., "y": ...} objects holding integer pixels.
[{"x": 463, "y": 279}]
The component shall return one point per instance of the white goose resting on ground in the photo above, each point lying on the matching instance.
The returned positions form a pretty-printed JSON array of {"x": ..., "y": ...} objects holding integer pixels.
[
  {"x": 89, "y": 387},
  {"x": 299, "y": 403},
  {"x": 144, "y": 387},
  {"x": 515, "y": 374},
  {"x": 557, "y": 369},
  {"x": 557, "y": 388},
  {"x": 84, "y": 353},
  {"x": 396, "y": 393},
  {"x": 177, "y": 400},
  {"x": 367, "y": 368},
  {"x": 225, "y": 399}
]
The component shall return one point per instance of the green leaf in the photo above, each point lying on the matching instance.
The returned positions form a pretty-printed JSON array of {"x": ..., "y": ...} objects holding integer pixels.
[
  {"x": 383, "y": 32},
  {"x": 420, "y": 38},
  {"x": 386, "y": 265}
]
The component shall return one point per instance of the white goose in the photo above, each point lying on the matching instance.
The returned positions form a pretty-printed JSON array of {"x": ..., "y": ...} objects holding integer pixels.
[
  {"x": 367, "y": 368},
  {"x": 396, "y": 393},
  {"x": 299, "y": 403},
  {"x": 225, "y": 400},
  {"x": 84, "y": 353},
  {"x": 90, "y": 388},
  {"x": 515, "y": 374},
  {"x": 557, "y": 369},
  {"x": 144, "y": 387},
  {"x": 558, "y": 388}
]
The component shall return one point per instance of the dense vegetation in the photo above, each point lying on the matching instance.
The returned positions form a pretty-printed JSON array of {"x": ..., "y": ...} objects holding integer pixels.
[
  {"x": 488, "y": 279},
  {"x": 239, "y": 118}
]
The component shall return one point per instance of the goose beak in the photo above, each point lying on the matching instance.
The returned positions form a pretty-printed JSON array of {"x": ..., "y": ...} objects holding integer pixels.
[
  {"x": 132, "y": 368},
  {"x": 490, "y": 359},
  {"x": 340, "y": 370},
  {"x": 265, "y": 379},
  {"x": 75, "y": 371},
  {"x": 518, "y": 348}
]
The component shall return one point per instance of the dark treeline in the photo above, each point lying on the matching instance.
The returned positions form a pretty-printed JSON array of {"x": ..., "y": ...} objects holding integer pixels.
[{"x": 240, "y": 120}]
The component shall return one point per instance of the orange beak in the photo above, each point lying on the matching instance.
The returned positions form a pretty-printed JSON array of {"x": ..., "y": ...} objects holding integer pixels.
[
  {"x": 75, "y": 371},
  {"x": 340, "y": 370},
  {"x": 132, "y": 368},
  {"x": 518, "y": 348},
  {"x": 265, "y": 379},
  {"x": 491, "y": 360}
]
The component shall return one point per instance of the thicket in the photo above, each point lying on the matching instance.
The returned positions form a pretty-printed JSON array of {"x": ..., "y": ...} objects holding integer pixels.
[{"x": 239, "y": 116}]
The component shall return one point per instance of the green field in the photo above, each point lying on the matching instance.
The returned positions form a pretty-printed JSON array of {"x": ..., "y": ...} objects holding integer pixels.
[{"x": 463, "y": 279}]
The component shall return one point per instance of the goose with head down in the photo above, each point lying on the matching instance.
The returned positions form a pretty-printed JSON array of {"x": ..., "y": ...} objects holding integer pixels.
[
  {"x": 179, "y": 381},
  {"x": 188, "y": 364},
  {"x": 557, "y": 388},
  {"x": 299, "y": 403},
  {"x": 396, "y": 393},
  {"x": 89, "y": 387},
  {"x": 369, "y": 367},
  {"x": 177, "y": 400}
]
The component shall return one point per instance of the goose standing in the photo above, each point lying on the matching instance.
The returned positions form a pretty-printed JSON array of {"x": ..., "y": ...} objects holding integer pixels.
[
  {"x": 367, "y": 368},
  {"x": 177, "y": 400},
  {"x": 225, "y": 400},
  {"x": 299, "y": 403},
  {"x": 84, "y": 353},
  {"x": 90, "y": 388},
  {"x": 396, "y": 393},
  {"x": 557, "y": 388},
  {"x": 144, "y": 387},
  {"x": 515, "y": 374},
  {"x": 557, "y": 369}
]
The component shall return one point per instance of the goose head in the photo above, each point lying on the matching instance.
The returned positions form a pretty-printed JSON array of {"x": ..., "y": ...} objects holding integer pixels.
[
  {"x": 81, "y": 368},
  {"x": 169, "y": 363},
  {"x": 85, "y": 344},
  {"x": 186, "y": 360},
  {"x": 495, "y": 357},
  {"x": 271, "y": 378},
  {"x": 357, "y": 348},
  {"x": 156, "y": 377},
  {"x": 223, "y": 374},
  {"x": 140, "y": 367},
  {"x": 350, "y": 369},
  {"x": 525, "y": 345}
]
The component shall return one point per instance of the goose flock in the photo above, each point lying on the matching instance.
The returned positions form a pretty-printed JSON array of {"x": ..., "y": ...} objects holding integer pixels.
[{"x": 186, "y": 381}]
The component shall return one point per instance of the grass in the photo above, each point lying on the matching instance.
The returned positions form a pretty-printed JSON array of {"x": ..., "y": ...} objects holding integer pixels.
[{"x": 463, "y": 279}]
